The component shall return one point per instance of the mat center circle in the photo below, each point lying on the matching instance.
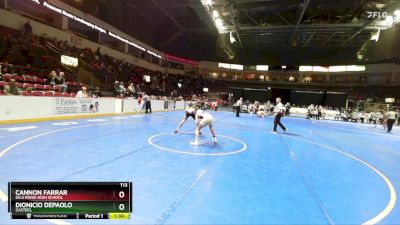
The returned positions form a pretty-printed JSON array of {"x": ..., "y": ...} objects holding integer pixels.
[{"x": 180, "y": 143}]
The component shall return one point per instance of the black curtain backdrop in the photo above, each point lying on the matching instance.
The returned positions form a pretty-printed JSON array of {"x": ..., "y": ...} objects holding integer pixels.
[
  {"x": 303, "y": 98},
  {"x": 336, "y": 100},
  {"x": 252, "y": 94},
  {"x": 284, "y": 94},
  {"x": 296, "y": 97}
]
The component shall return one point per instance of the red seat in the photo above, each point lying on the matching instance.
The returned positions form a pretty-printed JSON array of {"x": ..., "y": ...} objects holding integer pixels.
[
  {"x": 37, "y": 93},
  {"x": 48, "y": 93},
  {"x": 57, "y": 94},
  {"x": 58, "y": 88},
  {"x": 7, "y": 77},
  {"x": 25, "y": 93},
  {"x": 19, "y": 79},
  {"x": 38, "y": 87},
  {"x": 3, "y": 83},
  {"x": 26, "y": 85},
  {"x": 39, "y": 80},
  {"x": 48, "y": 87},
  {"x": 18, "y": 85},
  {"x": 66, "y": 95},
  {"x": 73, "y": 95},
  {"x": 29, "y": 79},
  {"x": 69, "y": 83},
  {"x": 45, "y": 81},
  {"x": 1, "y": 92}
]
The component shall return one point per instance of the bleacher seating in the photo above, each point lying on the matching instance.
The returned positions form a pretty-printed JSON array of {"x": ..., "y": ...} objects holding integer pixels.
[
  {"x": 37, "y": 93},
  {"x": 3, "y": 83},
  {"x": 48, "y": 87},
  {"x": 38, "y": 87},
  {"x": 7, "y": 77},
  {"x": 25, "y": 93},
  {"x": 26, "y": 86},
  {"x": 48, "y": 93}
]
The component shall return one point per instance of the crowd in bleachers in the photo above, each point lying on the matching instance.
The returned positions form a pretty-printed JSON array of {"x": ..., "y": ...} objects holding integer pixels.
[
  {"x": 124, "y": 79},
  {"x": 129, "y": 78},
  {"x": 35, "y": 84}
]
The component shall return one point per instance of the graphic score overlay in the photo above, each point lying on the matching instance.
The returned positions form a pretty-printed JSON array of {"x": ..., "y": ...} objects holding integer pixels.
[{"x": 70, "y": 200}]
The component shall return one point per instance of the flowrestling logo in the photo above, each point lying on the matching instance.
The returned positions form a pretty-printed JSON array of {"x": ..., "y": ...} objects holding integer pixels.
[{"x": 377, "y": 15}]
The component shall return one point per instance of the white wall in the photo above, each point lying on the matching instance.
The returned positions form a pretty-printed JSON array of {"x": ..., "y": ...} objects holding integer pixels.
[{"x": 29, "y": 107}]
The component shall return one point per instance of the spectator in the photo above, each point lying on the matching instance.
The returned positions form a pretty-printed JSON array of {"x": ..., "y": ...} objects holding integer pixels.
[
  {"x": 131, "y": 90},
  {"x": 96, "y": 93},
  {"x": 11, "y": 89},
  {"x": 82, "y": 93},
  {"x": 60, "y": 81},
  {"x": 287, "y": 109},
  {"x": 28, "y": 28},
  {"x": 137, "y": 88},
  {"x": 52, "y": 78},
  {"x": 122, "y": 88},
  {"x": 118, "y": 90}
]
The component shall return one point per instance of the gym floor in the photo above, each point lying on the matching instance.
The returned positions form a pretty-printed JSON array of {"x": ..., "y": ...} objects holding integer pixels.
[{"x": 318, "y": 172}]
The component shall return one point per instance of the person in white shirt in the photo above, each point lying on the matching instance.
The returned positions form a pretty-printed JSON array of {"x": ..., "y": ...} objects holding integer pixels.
[
  {"x": 279, "y": 110},
  {"x": 287, "y": 109},
  {"x": 82, "y": 93},
  {"x": 398, "y": 117},
  {"x": 239, "y": 104},
  {"x": 310, "y": 110},
  {"x": 203, "y": 119},
  {"x": 374, "y": 117},
  {"x": 391, "y": 118},
  {"x": 189, "y": 112},
  {"x": 267, "y": 107}
]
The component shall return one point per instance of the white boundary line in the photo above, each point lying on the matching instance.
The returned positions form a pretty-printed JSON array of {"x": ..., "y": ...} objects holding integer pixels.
[
  {"x": 150, "y": 141},
  {"x": 390, "y": 205},
  {"x": 57, "y": 222},
  {"x": 43, "y": 134},
  {"x": 3, "y": 196},
  {"x": 355, "y": 130},
  {"x": 2, "y": 153}
]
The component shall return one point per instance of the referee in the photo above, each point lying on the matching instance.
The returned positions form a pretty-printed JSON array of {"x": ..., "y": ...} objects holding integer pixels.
[
  {"x": 391, "y": 119},
  {"x": 279, "y": 110},
  {"x": 147, "y": 102},
  {"x": 239, "y": 104}
]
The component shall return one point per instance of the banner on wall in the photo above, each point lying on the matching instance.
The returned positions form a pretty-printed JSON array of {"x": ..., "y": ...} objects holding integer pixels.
[{"x": 75, "y": 105}]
